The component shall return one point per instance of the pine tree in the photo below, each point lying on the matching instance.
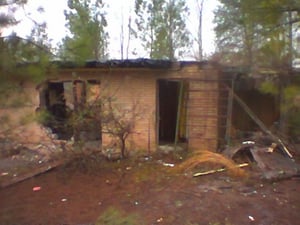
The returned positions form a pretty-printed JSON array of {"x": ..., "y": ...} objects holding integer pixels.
[
  {"x": 256, "y": 32},
  {"x": 22, "y": 59},
  {"x": 161, "y": 27},
  {"x": 86, "y": 23}
]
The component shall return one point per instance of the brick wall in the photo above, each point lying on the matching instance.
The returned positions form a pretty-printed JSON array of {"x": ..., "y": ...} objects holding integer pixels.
[
  {"x": 128, "y": 86},
  {"x": 18, "y": 117},
  {"x": 136, "y": 91},
  {"x": 202, "y": 115},
  {"x": 138, "y": 86}
]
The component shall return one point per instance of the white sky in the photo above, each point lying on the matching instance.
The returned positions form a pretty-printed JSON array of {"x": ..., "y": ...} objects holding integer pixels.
[{"x": 54, "y": 16}]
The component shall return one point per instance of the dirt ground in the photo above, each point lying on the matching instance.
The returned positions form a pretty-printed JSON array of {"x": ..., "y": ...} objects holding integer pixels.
[{"x": 148, "y": 191}]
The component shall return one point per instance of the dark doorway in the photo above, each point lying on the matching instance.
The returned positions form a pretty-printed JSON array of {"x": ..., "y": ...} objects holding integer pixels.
[{"x": 168, "y": 101}]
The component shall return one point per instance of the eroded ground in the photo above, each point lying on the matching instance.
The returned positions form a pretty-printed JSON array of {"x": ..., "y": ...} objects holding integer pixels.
[{"x": 148, "y": 191}]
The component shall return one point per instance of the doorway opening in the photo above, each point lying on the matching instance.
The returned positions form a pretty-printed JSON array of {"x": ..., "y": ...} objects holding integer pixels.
[{"x": 172, "y": 98}]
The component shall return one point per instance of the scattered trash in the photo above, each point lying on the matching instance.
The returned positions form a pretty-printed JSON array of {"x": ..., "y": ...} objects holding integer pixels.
[
  {"x": 4, "y": 174},
  {"x": 37, "y": 188},
  {"x": 248, "y": 142},
  {"x": 146, "y": 158},
  {"x": 166, "y": 164},
  {"x": 251, "y": 218},
  {"x": 64, "y": 199},
  {"x": 250, "y": 193},
  {"x": 159, "y": 220},
  {"x": 169, "y": 164}
]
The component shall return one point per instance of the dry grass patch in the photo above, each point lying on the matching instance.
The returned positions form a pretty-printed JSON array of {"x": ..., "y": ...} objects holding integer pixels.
[{"x": 207, "y": 160}]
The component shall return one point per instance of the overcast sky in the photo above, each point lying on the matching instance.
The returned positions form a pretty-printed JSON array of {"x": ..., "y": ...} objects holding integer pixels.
[{"x": 54, "y": 16}]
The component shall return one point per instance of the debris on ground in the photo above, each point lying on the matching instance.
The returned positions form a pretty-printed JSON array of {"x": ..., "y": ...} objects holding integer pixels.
[
  {"x": 273, "y": 159},
  {"x": 20, "y": 161}
]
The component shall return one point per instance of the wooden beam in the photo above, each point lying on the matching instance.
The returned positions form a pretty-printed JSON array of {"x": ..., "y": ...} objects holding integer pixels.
[{"x": 260, "y": 123}]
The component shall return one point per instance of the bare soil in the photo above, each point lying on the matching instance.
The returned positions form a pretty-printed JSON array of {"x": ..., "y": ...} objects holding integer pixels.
[{"x": 149, "y": 189}]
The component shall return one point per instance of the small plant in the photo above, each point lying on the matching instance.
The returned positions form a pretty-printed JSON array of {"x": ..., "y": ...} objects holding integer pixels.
[
  {"x": 119, "y": 122},
  {"x": 44, "y": 117},
  {"x": 81, "y": 161},
  {"x": 113, "y": 216}
]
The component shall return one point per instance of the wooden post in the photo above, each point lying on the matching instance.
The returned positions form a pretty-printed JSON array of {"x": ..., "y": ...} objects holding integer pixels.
[
  {"x": 229, "y": 114},
  {"x": 178, "y": 114}
]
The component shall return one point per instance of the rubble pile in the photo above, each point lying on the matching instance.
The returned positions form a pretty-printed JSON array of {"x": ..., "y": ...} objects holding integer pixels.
[{"x": 272, "y": 158}]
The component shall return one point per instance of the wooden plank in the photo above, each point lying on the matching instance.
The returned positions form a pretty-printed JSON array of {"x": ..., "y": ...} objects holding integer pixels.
[
  {"x": 273, "y": 164},
  {"x": 217, "y": 170},
  {"x": 41, "y": 169}
]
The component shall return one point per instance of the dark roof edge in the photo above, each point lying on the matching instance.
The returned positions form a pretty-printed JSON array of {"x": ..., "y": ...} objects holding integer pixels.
[{"x": 133, "y": 63}]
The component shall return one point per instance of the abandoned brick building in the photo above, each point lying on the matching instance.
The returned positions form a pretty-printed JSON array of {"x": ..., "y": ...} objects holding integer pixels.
[{"x": 174, "y": 102}]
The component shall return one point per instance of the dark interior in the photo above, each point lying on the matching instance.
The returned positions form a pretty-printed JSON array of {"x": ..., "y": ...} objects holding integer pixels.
[
  {"x": 54, "y": 103},
  {"x": 168, "y": 105},
  {"x": 264, "y": 106}
]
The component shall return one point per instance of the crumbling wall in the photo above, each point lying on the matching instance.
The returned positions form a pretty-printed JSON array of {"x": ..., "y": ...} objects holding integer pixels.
[
  {"x": 130, "y": 86},
  {"x": 18, "y": 121}
]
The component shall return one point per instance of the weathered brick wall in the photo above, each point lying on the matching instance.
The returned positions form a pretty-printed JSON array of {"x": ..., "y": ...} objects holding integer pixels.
[
  {"x": 203, "y": 115},
  {"x": 18, "y": 117},
  {"x": 130, "y": 86},
  {"x": 140, "y": 85},
  {"x": 136, "y": 90}
]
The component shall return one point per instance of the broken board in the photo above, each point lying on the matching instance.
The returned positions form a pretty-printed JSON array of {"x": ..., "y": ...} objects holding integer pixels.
[
  {"x": 31, "y": 173},
  {"x": 273, "y": 164}
]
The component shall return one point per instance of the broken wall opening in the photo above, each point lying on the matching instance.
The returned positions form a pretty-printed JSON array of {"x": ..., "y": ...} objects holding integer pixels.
[
  {"x": 71, "y": 109},
  {"x": 57, "y": 114},
  {"x": 171, "y": 111},
  {"x": 265, "y": 106}
]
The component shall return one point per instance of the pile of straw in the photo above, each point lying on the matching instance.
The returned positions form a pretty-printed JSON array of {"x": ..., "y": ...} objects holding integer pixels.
[{"x": 201, "y": 158}]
